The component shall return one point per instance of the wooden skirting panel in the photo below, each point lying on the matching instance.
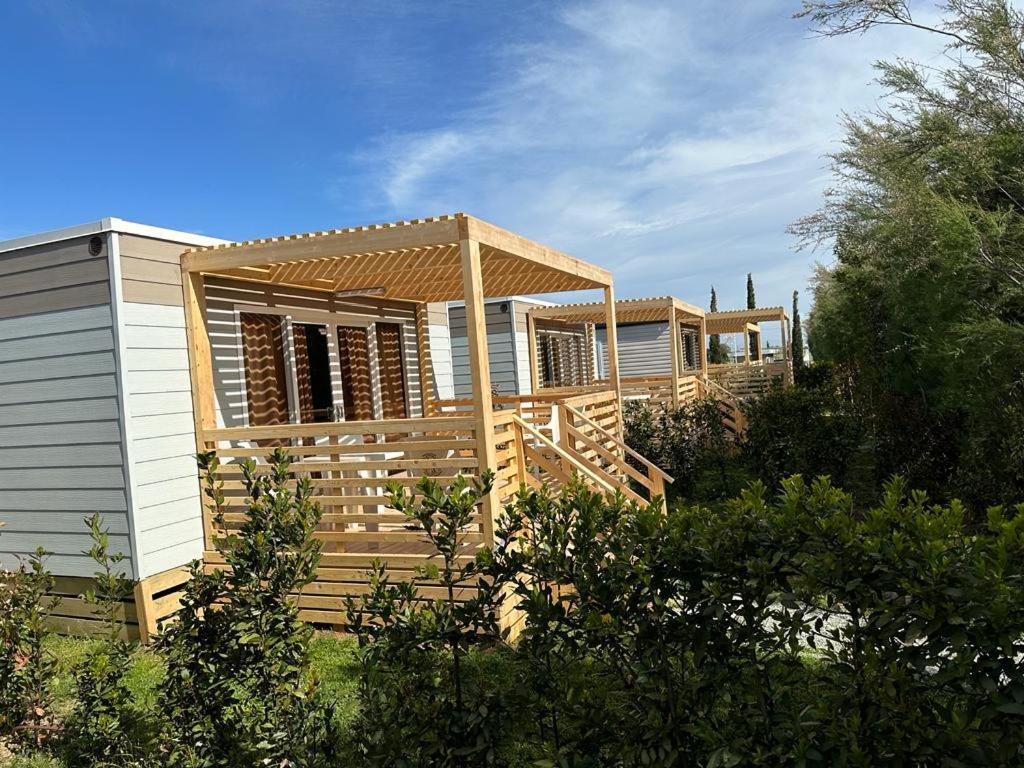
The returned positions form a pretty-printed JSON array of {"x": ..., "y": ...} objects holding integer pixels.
[{"x": 156, "y": 598}]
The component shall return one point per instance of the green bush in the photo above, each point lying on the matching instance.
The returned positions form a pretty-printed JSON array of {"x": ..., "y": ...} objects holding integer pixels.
[
  {"x": 809, "y": 429},
  {"x": 768, "y": 632},
  {"x": 237, "y": 690},
  {"x": 423, "y": 703},
  {"x": 106, "y": 727},
  {"x": 26, "y": 666},
  {"x": 690, "y": 443}
]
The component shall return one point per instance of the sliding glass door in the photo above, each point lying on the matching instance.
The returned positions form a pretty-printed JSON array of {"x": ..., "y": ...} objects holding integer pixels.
[{"x": 304, "y": 372}]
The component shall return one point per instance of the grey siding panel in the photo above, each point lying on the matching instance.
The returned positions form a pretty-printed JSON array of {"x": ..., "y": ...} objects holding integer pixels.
[
  {"x": 643, "y": 350},
  {"x": 166, "y": 496},
  {"x": 60, "y": 441},
  {"x": 61, "y": 457},
  {"x": 499, "y": 349},
  {"x": 51, "y": 278},
  {"x": 48, "y": 369}
]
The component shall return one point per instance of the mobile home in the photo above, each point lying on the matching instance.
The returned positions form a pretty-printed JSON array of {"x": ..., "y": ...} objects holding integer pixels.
[{"x": 125, "y": 349}]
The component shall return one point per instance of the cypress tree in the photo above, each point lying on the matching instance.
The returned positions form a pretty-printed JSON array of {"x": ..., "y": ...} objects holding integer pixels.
[
  {"x": 798, "y": 335},
  {"x": 752, "y": 304},
  {"x": 714, "y": 343}
]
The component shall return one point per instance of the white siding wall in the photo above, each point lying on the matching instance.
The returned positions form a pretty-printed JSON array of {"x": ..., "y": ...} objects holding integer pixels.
[
  {"x": 60, "y": 439},
  {"x": 440, "y": 351},
  {"x": 643, "y": 350},
  {"x": 167, "y": 510}
]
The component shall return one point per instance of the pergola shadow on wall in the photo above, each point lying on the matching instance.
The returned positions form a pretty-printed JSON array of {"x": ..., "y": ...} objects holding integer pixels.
[
  {"x": 447, "y": 258},
  {"x": 679, "y": 385},
  {"x": 754, "y": 375}
]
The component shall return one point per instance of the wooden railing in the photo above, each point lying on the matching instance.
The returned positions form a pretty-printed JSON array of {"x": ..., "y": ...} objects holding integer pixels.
[
  {"x": 658, "y": 389},
  {"x": 350, "y": 465},
  {"x": 751, "y": 379},
  {"x": 608, "y": 454},
  {"x": 731, "y": 407}
]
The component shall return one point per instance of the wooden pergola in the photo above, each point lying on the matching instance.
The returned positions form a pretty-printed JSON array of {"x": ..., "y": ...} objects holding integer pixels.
[
  {"x": 663, "y": 309},
  {"x": 454, "y": 257},
  {"x": 747, "y": 321}
]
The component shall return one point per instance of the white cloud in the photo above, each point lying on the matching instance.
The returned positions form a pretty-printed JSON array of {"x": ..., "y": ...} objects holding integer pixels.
[{"x": 673, "y": 143}]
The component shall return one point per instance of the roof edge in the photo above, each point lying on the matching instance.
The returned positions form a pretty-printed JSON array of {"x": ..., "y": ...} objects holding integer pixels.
[{"x": 109, "y": 224}]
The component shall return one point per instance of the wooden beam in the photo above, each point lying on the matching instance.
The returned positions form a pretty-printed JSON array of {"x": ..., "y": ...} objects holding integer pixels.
[
  {"x": 531, "y": 333},
  {"x": 674, "y": 341},
  {"x": 424, "y": 360},
  {"x": 517, "y": 245},
  {"x": 613, "y": 352},
  {"x": 480, "y": 376},
  {"x": 397, "y": 237},
  {"x": 200, "y": 364},
  {"x": 703, "y": 341},
  {"x": 145, "y": 612}
]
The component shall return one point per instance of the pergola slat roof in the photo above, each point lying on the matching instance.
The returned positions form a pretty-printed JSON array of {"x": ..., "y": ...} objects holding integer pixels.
[
  {"x": 737, "y": 320},
  {"x": 650, "y": 310},
  {"x": 417, "y": 260}
]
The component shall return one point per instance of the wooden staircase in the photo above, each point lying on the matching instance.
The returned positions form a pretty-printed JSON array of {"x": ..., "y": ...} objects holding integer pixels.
[
  {"x": 581, "y": 448},
  {"x": 730, "y": 406}
]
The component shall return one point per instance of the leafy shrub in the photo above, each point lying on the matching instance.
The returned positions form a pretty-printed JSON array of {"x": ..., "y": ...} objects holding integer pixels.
[
  {"x": 105, "y": 728},
  {"x": 690, "y": 443},
  {"x": 26, "y": 667},
  {"x": 237, "y": 690},
  {"x": 421, "y": 704},
  {"x": 794, "y": 631},
  {"x": 809, "y": 430}
]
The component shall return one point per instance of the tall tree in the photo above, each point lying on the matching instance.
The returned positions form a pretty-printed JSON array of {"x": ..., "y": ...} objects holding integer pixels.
[
  {"x": 924, "y": 301},
  {"x": 717, "y": 351},
  {"x": 798, "y": 334},
  {"x": 752, "y": 337}
]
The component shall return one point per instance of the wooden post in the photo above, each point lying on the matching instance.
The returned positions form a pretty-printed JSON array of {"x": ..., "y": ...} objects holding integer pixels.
[
  {"x": 703, "y": 343},
  {"x": 200, "y": 363},
  {"x": 480, "y": 375},
  {"x": 531, "y": 335},
  {"x": 144, "y": 611},
  {"x": 613, "y": 353},
  {"x": 424, "y": 360},
  {"x": 674, "y": 341},
  {"x": 746, "y": 346}
]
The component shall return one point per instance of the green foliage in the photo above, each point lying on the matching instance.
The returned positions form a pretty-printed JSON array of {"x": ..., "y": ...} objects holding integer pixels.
[
  {"x": 237, "y": 690},
  {"x": 797, "y": 343},
  {"x": 26, "y": 666},
  {"x": 925, "y": 301},
  {"x": 718, "y": 351},
  {"x": 420, "y": 704},
  {"x": 689, "y": 443},
  {"x": 793, "y": 631},
  {"x": 810, "y": 429},
  {"x": 105, "y": 727}
]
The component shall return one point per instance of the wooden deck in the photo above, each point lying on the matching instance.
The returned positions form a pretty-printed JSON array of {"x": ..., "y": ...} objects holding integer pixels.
[
  {"x": 537, "y": 440},
  {"x": 746, "y": 380}
]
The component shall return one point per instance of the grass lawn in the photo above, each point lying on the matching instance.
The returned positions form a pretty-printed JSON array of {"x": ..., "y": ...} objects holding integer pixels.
[{"x": 333, "y": 663}]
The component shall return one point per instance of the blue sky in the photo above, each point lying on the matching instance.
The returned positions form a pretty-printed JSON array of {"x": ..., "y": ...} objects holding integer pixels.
[{"x": 670, "y": 142}]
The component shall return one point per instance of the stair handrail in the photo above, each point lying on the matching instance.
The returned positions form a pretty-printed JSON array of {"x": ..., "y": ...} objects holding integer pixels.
[
  {"x": 562, "y": 453},
  {"x": 665, "y": 476}
]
